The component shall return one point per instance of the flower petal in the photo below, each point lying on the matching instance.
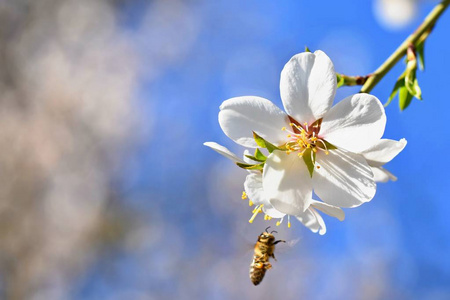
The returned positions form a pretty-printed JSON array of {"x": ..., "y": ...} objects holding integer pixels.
[
  {"x": 382, "y": 175},
  {"x": 240, "y": 116},
  {"x": 224, "y": 151},
  {"x": 287, "y": 183},
  {"x": 254, "y": 189},
  {"x": 308, "y": 86},
  {"x": 330, "y": 210},
  {"x": 272, "y": 211},
  {"x": 323, "y": 228},
  {"x": 355, "y": 124},
  {"x": 344, "y": 179},
  {"x": 383, "y": 152},
  {"x": 311, "y": 219}
]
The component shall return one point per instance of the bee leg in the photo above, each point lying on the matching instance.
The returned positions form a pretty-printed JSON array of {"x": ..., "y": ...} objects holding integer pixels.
[
  {"x": 273, "y": 256},
  {"x": 268, "y": 266},
  {"x": 276, "y": 242}
]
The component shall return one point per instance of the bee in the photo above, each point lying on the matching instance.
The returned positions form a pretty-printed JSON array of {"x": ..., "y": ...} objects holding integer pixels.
[{"x": 264, "y": 249}]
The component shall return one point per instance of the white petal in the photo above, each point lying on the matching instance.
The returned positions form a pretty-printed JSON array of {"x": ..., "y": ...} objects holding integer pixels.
[
  {"x": 330, "y": 210},
  {"x": 344, "y": 179},
  {"x": 382, "y": 175},
  {"x": 309, "y": 219},
  {"x": 240, "y": 116},
  {"x": 272, "y": 212},
  {"x": 287, "y": 183},
  {"x": 323, "y": 228},
  {"x": 254, "y": 189},
  {"x": 355, "y": 124},
  {"x": 224, "y": 151},
  {"x": 308, "y": 86},
  {"x": 246, "y": 159},
  {"x": 383, "y": 152}
]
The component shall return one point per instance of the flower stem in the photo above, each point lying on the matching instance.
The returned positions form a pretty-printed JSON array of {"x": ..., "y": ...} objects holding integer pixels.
[{"x": 423, "y": 29}]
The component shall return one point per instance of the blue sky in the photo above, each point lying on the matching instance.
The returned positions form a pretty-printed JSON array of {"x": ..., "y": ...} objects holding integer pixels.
[{"x": 399, "y": 242}]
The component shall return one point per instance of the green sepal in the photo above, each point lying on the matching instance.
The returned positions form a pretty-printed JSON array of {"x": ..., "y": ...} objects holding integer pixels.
[
  {"x": 329, "y": 146},
  {"x": 307, "y": 49},
  {"x": 309, "y": 163},
  {"x": 250, "y": 166},
  {"x": 254, "y": 158},
  {"x": 259, "y": 155},
  {"x": 400, "y": 83},
  {"x": 404, "y": 98},
  {"x": 263, "y": 143},
  {"x": 340, "y": 80}
]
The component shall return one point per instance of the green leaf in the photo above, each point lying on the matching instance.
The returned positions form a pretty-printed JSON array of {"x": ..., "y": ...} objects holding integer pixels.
[
  {"x": 417, "y": 90},
  {"x": 259, "y": 155},
  {"x": 404, "y": 98},
  {"x": 400, "y": 83},
  {"x": 307, "y": 49},
  {"x": 420, "y": 52},
  {"x": 250, "y": 166},
  {"x": 263, "y": 143},
  {"x": 309, "y": 163}
]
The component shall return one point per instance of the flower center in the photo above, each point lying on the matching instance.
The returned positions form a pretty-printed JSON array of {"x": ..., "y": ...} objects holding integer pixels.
[{"x": 303, "y": 138}]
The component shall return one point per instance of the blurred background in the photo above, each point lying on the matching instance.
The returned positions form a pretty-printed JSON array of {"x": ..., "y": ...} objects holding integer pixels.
[{"x": 106, "y": 191}]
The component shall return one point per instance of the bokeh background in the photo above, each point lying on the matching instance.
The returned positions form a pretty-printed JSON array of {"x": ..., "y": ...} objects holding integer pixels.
[{"x": 106, "y": 191}]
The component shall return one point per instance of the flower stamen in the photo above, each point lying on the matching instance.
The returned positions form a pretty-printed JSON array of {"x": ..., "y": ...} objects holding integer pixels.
[{"x": 256, "y": 211}]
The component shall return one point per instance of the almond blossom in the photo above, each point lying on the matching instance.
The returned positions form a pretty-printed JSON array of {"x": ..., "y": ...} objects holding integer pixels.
[{"x": 333, "y": 151}]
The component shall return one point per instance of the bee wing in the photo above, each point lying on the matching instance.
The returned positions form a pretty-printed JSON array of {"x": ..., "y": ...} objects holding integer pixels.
[{"x": 287, "y": 246}]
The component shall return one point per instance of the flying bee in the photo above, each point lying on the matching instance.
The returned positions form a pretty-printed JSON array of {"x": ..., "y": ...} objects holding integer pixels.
[{"x": 264, "y": 249}]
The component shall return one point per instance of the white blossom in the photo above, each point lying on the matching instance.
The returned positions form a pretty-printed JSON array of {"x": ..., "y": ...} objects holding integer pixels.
[{"x": 333, "y": 151}]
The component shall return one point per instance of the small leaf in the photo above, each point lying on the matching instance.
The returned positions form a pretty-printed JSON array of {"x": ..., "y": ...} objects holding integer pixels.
[
  {"x": 404, "y": 98},
  {"x": 309, "y": 163},
  {"x": 420, "y": 53},
  {"x": 417, "y": 90},
  {"x": 409, "y": 82},
  {"x": 250, "y": 166},
  {"x": 259, "y": 155},
  {"x": 263, "y": 143},
  {"x": 400, "y": 83},
  {"x": 307, "y": 49}
]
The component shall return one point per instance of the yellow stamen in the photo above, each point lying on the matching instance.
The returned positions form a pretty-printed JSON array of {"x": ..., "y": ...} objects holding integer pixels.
[
  {"x": 289, "y": 224},
  {"x": 250, "y": 203},
  {"x": 244, "y": 195},
  {"x": 255, "y": 213},
  {"x": 289, "y": 135},
  {"x": 314, "y": 150},
  {"x": 326, "y": 152},
  {"x": 313, "y": 139},
  {"x": 278, "y": 223},
  {"x": 283, "y": 128}
]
